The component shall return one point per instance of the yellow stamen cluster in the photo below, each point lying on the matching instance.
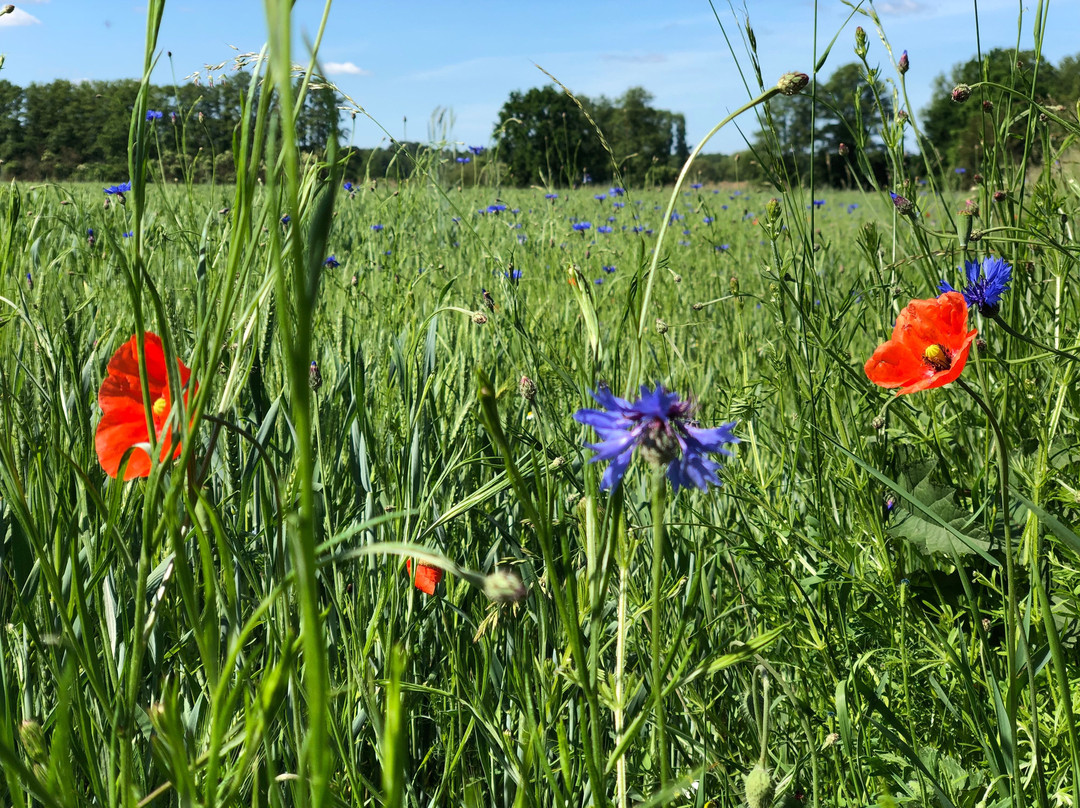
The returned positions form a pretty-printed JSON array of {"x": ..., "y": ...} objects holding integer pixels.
[{"x": 161, "y": 406}]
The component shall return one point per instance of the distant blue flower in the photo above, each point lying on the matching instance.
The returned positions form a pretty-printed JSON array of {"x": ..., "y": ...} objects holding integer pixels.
[
  {"x": 818, "y": 203},
  {"x": 464, "y": 160},
  {"x": 551, "y": 196},
  {"x": 686, "y": 232},
  {"x": 377, "y": 227},
  {"x": 960, "y": 170},
  {"x": 618, "y": 191},
  {"x": 522, "y": 239},
  {"x": 597, "y": 281},
  {"x": 331, "y": 262},
  {"x": 477, "y": 150},
  {"x": 581, "y": 227},
  {"x": 852, "y": 206},
  {"x": 695, "y": 185},
  {"x": 348, "y": 186},
  {"x": 612, "y": 219},
  {"x": 153, "y": 115},
  {"x": 122, "y": 188},
  {"x": 986, "y": 283},
  {"x": 286, "y": 219},
  {"x": 129, "y": 234},
  {"x": 618, "y": 205},
  {"x": 603, "y": 229},
  {"x": 675, "y": 216},
  {"x": 723, "y": 207},
  {"x": 599, "y": 197},
  {"x": 513, "y": 275},
  {"x": 707, "y": 220},
  {"x": 496, "y": 208},
  {"x": 608, "y": 269},
  {"x": 663, "y": 430},
  {"x": 723, "y": 247},
  {"x": 637, "y": 228}
]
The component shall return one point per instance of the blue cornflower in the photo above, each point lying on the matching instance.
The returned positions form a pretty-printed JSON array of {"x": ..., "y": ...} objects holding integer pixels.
[
  {"x": 122, "y": 188},
  {"x": 707, "y": 220},
  {"x": 695, "y": 185},
  {"x": 286, "y": 219},
  {"x": 464, "y": 159},
  {"x": 581, "y": 227},
  {"x": 154, "y": 115},
  {"x": 513, "y": 275},
  {"x": 496, "y": 208},
  {"x": 377, "y": 227},
  {"x": 637, "y": 228},
  {"x": 618, "y": 204},
  {"x": 662, "y": 428},
  {"x": 618, "y": 191},
  {"x": 608, "y": 269},
  {"x": 599, "y": 197},
  {"x": 348, "y": 186},
  {"x": 818, "y": 203},
  {"x": 597, "y": 281},
  {"x": 331, "y": 262},
  {"x": 986, "y": 283},
  {"x": 603, "y": 229},
  {"x": 477, "y": 150},
  {"x": 722, "y": 247},
  {"x": 129, "y": 234},
  {"x": 551, "y": 196},
  {"x": 960, "y": 170}
]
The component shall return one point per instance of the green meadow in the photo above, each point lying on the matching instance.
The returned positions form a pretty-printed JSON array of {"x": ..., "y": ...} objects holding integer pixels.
[{"x": 876, "y": 603}]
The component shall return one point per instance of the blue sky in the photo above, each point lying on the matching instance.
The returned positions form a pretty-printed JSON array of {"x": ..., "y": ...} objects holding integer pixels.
[{"x": 403, "y": 63}]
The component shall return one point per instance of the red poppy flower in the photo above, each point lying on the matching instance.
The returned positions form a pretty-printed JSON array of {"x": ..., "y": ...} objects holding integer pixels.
[
  {"x": 929, "y": 345},
  {"x": 427, "y": 577},
  {"x": 123, "y": 420}
]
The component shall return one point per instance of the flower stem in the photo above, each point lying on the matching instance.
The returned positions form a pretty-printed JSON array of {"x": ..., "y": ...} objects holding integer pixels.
[
  {"x": 1012, "y": 332},
  {"x": 1012, "y": 607},
  {"x": 656, "y": 653}
]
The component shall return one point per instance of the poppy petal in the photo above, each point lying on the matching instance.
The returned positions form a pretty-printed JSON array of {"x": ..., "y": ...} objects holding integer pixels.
[
  {"x": 894, "y": 365},
  {"x": 427, "y": 577}
]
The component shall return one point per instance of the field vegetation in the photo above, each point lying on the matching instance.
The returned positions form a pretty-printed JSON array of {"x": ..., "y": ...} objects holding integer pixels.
[{"x": 323, "y": 487}]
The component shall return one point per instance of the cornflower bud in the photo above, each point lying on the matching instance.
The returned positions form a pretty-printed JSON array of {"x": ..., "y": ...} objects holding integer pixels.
[
  {"x": 903, "y": 65},
  {"x": 843, "y": 149},
  {"x": 315, "y": 380},
  {"x": 527, "y": 388},
  {"x": 661, "y": 326},
  {"x": 860, "y": 42},
  {"x": 479, "y": 318},
  {"x": 792, "y": 83},
  {"x": 1000, "y": 196},
  {"x": 961, "y": 93},
  {"x": 904, "y": 206},
  {"x": 7, "y": 9},
  {"x": 988, "y": 105}
]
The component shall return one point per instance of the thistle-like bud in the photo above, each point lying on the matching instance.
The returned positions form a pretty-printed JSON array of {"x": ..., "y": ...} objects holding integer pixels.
[
  {"x": 903, "y": 65},
  {"x": 697, "y": 306},
  {"x": 988, "y": 105},
  {"x": 843, "y": 149},
  {"x": 860, "y": 42},
  {"x": 977, "y": 179},
  {"x": 504, "y": 586},
  {"x": 792, "y": 83},
  {"x": 661, "y": 326},
  {"x": 733, "y": 284},
  {"x": 479, "y": 318},
  {"x": 904, "y": 206},
  {"x": 7, "y": 9},
  {"x": 773, "y": 209},
  {"x": 961, "y": 93},
  {"x": 315, "y": 380},
  {"x": 527, "y": 388},
  {"x": 878, "y": 423},
  {"x": 759, "y": 787},
  {"x": 902, "y": 116},
  {"x": 1000, "y": 196}
]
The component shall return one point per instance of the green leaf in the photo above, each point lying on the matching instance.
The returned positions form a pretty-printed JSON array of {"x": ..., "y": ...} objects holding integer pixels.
[{"x": 964, "y": 538}]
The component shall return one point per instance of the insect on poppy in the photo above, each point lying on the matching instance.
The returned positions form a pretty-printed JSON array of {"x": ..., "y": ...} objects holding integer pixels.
[
  {"x": 928, "y": 348},
  {"x": 427, "y": 577},
  {"x": 123, "y": 421}
]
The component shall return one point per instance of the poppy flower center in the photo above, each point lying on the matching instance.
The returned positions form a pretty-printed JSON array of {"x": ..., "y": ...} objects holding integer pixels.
[
  {"x": 937, "y": 357},
  {"x": 161, "y": 406},
  {"x": 659, "y": 445}
]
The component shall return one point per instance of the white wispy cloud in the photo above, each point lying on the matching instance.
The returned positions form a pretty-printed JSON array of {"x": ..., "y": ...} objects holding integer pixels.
[
  {"x": 344, "y": 68},
  {"x": 901, "y": 7},
  {"x": 18, "y": 17}
]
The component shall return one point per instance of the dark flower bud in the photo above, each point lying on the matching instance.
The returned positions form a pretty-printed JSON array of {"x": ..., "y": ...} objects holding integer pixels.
[
  {"x": 988, "y": 105},
  {"x": 314, "y": 376},
  {"x": 792, "y": 83},
  {"x": 661, "y": 326},
  {"x": 878, "y": 423},
  {"x": 677, "y": 278},
  {"x": 976, "y": 235},
  {"x": 698, "y": 306},
  {"x": 355, "y": 281},
  {"x": 961, "y": 93},
  {"x": 902, "y": 116},
  {"x": 980, "y": 344},
  {"x": 30, "y": 281},
  {"x": 7, "y": 9},
  {"x": 843, "y": 150},
  {"x": 903, "y": 65},
  {"x": 1000, "y": 196},
  {"x": 527, "y": 388},
  {"x": 479, "y": 318},
  {"x": 977, "y": 179},
  {"x": 904, "y": 206}
]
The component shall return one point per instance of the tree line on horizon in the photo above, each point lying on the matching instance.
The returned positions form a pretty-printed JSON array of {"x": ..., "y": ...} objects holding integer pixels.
[{"x": 78, "y": 131}]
